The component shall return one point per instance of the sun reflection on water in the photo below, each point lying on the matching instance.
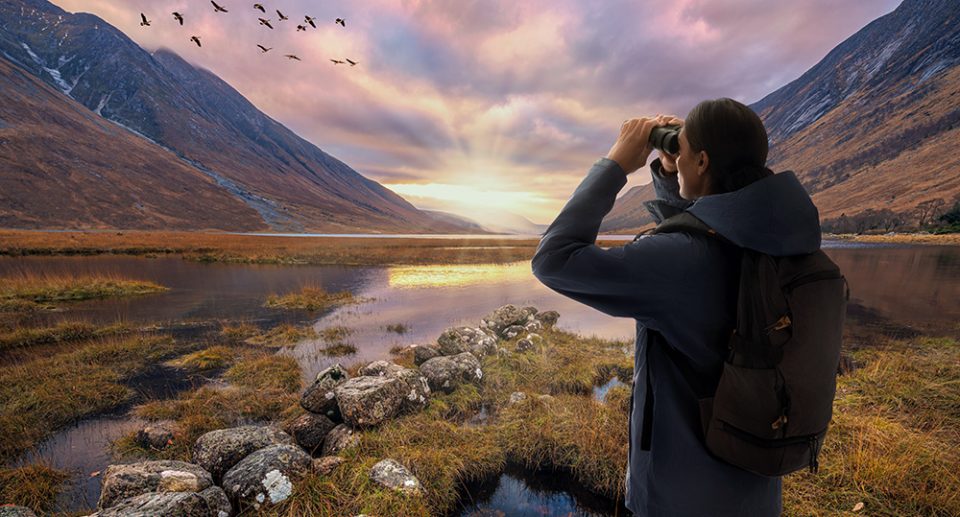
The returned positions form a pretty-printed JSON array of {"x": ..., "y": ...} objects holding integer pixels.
[{"x": 458, "y": 275}]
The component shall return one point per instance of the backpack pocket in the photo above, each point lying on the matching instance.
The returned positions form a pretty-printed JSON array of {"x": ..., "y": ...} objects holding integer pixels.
[{"x": 764, "y": 412}]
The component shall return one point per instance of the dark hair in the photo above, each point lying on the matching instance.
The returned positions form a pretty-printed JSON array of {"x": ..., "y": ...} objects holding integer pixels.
[{"x": 735, "y": 140}]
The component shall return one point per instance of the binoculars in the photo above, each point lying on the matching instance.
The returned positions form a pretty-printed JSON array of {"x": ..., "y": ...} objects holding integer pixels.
[{"x": 666, "y": 139}]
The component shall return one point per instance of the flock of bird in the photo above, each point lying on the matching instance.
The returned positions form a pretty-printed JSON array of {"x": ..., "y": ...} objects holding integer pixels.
[{"x": 266, "y": 22}]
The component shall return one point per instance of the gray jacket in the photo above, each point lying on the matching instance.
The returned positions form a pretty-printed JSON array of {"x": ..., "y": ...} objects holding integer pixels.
[{"x": 681, "y": 289}]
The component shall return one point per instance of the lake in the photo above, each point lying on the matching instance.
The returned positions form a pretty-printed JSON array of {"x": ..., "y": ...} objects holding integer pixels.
[{"x": 897, "y": 290}]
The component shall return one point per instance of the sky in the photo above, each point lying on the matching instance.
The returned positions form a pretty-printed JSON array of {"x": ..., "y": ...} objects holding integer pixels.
[{"x": 486, "y": 108}]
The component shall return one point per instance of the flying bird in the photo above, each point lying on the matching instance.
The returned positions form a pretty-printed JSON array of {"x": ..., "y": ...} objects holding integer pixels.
[
  {"x": 292, "y": 56},
  {"x": 265, "y": 22},
  {"x": 337, "y": 61},
  {"x": 179, "y": 17},
  {"x": 310, "y": 21},
  {"x": 196, "y": 39},
  {"x": 301, "y": 28},
  {"x": 282, "y": 17},
  {"x": 264, "y": 49},
  {"x": 217, "y": 8},
  {"x": 352, "y": 63},
  {"x": 260, "y": 6},
  {"x": 143, "y": 20},
  {"x": 341, "y": 21}
]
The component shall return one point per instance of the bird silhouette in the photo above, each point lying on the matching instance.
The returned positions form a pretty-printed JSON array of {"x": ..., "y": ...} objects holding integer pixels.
[
  {"x": 337, "y": 61},
  {"x": 179, "y": 17},
  {"x": 352, "y": 63},
  {"x": 310, "y": 21},
  {"x": 282, "y": 17},
  {"x": 196, "y": 39},
  {"x": 264, "y": 49},
  {"x": 265, "y": 22},
  {"x": 301, "y": 28},
  {"x": 260, "y": 6},
  {"x": 143, "y": 20},
  {"x": 217, "y": 8},
  {"x": 341, "y": 21},
  {"x": 292, "y": 56}
]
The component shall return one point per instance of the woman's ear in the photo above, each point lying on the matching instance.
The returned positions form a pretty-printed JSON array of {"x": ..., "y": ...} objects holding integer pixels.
[{"x": 703, "y": 163}]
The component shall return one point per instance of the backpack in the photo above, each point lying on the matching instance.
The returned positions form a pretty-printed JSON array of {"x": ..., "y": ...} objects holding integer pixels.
[{"x": 770, "y": 411}]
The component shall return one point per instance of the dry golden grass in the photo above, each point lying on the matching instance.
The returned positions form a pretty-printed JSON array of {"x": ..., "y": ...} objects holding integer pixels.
[
  {"x": 62, "y": 332},
  {"x": 283, "y": 335},
  {"x": 947, "y": 239},
  {"x": 310, "y": 298},
  {"x": 40, "y": 288},
  {"x": 35, "y": 486},
  {"x": 212, "y": 358}
]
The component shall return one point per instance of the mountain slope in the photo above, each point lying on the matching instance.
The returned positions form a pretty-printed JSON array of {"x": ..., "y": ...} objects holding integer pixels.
[{"x": 289, "y": 182}]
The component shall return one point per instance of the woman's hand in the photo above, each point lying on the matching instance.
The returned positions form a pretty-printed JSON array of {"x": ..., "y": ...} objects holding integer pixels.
[
  {"x": 668, "y": 162},
  {"x": 632, "y": 147}
]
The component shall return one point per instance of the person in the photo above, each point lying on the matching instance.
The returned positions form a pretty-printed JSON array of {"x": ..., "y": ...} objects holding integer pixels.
[{"x": 681, "y": 288}]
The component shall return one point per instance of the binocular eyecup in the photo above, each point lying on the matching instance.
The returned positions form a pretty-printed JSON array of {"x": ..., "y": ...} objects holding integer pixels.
[{"x": 666, "y": 139}]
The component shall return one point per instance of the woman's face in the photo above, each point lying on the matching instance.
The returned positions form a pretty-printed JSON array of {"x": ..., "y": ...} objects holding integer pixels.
[{"x": 691, "y": 168}]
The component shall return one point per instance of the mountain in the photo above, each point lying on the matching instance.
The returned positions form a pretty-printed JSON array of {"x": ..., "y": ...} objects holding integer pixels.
[
  {"x": 191, "y": 115},
  {"x": 454, "y": 219},
  {"x": 873, "y": 126},
  {"x": 510, "y": 223},
  {"x": 628, "y": 213}
]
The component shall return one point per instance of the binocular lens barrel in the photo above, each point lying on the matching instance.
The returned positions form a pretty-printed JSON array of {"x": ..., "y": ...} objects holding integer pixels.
[{"x": 666, "y": 139}]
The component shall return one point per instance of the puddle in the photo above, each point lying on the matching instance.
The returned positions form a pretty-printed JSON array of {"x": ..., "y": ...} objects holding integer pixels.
[{"x": 600, "y": 392}]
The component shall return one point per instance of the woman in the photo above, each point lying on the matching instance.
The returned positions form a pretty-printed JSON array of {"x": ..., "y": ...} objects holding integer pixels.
[{"x": 681, "y": 289}]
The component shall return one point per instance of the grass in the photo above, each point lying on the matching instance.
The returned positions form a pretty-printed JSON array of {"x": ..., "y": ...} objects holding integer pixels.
[
  {"x": 283, "y": 335},
  {"x": 40, "y": 288},
  {"x": 399, "y": 328},
  {"x": 238, "y": 332},
  {"x": 35, "y": 486},
  {"x": 338, "y": 349},
  {"x": 212, "y": 358},
  {"x": 62, "y": 332},
  {"x": 39, "y": 396},
  {"x": 336, "y": 333},
  {"x": 310, "y": 298}
]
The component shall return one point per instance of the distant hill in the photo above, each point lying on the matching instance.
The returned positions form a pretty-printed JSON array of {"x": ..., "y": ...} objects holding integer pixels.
[
  {"x": 873, "y": 127},
  {"x": 208, "y": 143}
]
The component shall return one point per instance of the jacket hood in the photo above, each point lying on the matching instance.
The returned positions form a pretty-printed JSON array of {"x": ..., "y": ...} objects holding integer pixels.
[{"x": 774, "y": 215}]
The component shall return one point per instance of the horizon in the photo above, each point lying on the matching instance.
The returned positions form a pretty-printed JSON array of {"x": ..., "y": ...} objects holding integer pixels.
[{"x": 480, "y": 111}]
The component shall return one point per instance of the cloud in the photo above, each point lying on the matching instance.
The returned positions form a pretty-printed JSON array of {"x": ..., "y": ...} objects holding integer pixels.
[{"x": 492, "y": 96}]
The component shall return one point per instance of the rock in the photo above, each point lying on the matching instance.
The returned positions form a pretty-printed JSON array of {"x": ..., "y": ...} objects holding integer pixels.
[
  {"x": 445, "y": 373},
  {"x": 548, "y": 318},
  {"x": 528, "y": 343},
  {"x": 16, "y": 511},
  {"x": 340, "y": 438},
  {"x": 266, "y": 477},
  {"x": 512, "y": 331},
  {"x": 209, "y": 502},
  {"x": 380, "y": 368},
  {"x": 416, "y": 392},
  {"x": 155, "y": 436},
  {"x": 517, "y": 396},
  {"x": 126, "y": 481},
  {"x": 327, "y": 464},
  {"x": 423, "y": 353},
  {"x": 533, "y": 326},
  {"x": 369, "y": 401},
  {"x": 506, "y": 316},
  {"x": 319, "y": 397},
  {"x": 218, "y": 451},
  {"x": 456, "y": 340},
  {"x": 391, "y": 474},
  {"x": 309, "y": 431}
]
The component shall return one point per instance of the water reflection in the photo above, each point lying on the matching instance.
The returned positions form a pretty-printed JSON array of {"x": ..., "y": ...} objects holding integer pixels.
[{"x": 409, "y": 277}]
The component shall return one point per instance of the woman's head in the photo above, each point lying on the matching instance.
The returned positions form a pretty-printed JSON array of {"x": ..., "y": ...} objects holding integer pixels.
[{"x": 723, "y": 147}]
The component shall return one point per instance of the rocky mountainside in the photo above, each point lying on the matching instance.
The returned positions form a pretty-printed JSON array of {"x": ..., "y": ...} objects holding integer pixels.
[
  {"x": 192, "y": 116},
  {"x": 873, "y": 126}
]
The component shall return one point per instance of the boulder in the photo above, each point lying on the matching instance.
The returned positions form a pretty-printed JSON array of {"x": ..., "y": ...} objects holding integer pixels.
[
  {"x": 266, "y": 477},
  {"x": 319, "y": 397},
  {"x": 126, "y": 481},
  {"x": 416, "y": 392},
  {"x": 548, "y": 318},
  {"x": 326, "y": 464},
  {"x": 309, "y": 431},
  {"x": 209, "y": 502},
  {"x": 340, "y": 438},
  {"x": 533, "y": 326},
  {"x": 445, "y": 373},
  {"x": 423, "y": 353},
  {"x": 505, "y": 316},
  {"x": 512, "y": 331},
  {"x": 218, "y": 451},
  {"x": 10, "y": 510},
  {"x": 529, "y": 342},
  {"x": 380, "y": 368},
  {"x": 368, "y": 401},
  {"x": 155, "y": 436},
  {"x": 391, "y": 474},
  {"x": 456, "y": 340}
]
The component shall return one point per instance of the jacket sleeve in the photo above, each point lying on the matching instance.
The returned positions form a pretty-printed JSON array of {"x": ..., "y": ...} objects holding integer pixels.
[
  {"x": 667, "y": 187},
  {"x": 646, "y": 279}
]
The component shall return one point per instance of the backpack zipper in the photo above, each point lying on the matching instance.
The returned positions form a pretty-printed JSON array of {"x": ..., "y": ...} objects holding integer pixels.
[{"x": 769, "y": 443}]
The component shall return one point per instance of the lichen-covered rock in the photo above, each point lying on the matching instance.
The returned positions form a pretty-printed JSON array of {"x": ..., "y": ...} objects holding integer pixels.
[
  {"x": 156, "y": 435},
  {"x": 391, "y": 474},
  {"x": 309, "y": 431},
  {"x": 533, "y": 326},
  {"x": 211, "y": 502},
  {"x": 416, "y": 390},
  {"x": 423, "y": 353},
  {"x": 548, "y": 318},
  {"x": 218, "y": 451},
  {"x": 445, "y": 373},
  {"x": 368, "y": 401},
  {"x": 326, "y": 464},
  {"x": 512, "y": 331},
  {"x": 380, "y": 368},
  {"x": 516, "y": 397},
  {"x": 266, "y": 477},
  {"x": 340, "y": 438},
  {"x": 506, "y": 316},
  {"x": 16, "y": 511},
  {"x": 126, "y": 481},
  {"x": 319, "y": 397},
  {"x": 530, "y": 342},
  {"x": 456, "y": 340}
]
